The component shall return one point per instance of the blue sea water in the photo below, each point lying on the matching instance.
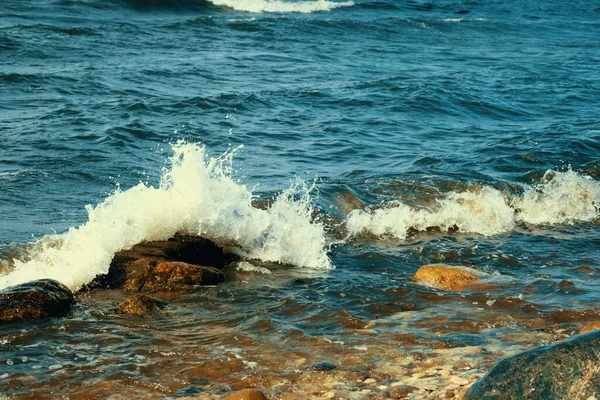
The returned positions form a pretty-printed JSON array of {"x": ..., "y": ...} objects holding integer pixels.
[{"x": 465, "y": 132}]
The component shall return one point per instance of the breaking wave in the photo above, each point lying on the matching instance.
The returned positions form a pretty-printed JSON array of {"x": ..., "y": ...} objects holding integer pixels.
[
  {"x": 560, "y": 197},
  {"x": 196, "y": 195}
]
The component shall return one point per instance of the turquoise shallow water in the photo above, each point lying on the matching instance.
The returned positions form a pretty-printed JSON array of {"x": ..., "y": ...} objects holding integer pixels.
[{"x": 377, "y": 103}]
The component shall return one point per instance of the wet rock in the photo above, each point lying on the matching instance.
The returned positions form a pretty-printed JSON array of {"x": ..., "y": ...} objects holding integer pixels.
[
  {"x": 140, "y": 304},
  {"x": 150, "y": 274},
  {"x": 590, "y": 327},
  {"x": 447, "y": 277},
  {"x": 565, "y": 370},
  {"x": 250, "y": 394},
  {"x": 185, "y": 248},
  {"x": 188, "y": 391},
  {"x": 322, "y": 366},
  {"x": 164, "y": 265},
  {"x": 39, "y": 299}
]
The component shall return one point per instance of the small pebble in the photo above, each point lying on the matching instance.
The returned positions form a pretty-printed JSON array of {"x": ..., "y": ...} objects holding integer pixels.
[{"x": 459, "y": 380}]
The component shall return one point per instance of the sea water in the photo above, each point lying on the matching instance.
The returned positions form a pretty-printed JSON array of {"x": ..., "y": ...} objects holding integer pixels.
[{"x": 335, "y": 145}]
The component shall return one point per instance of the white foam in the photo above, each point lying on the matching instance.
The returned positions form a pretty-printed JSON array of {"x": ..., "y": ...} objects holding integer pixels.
[
  {"x": 196, "y": 195},
  {"x": 245, "y": 266},
  {"x": 561, "y": 197},
  {"x": 277, "y": 6},
  {"x": 484, "y": 211}
]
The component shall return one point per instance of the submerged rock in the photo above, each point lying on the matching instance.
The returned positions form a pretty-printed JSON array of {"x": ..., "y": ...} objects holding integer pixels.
[
  {"x": 323, "y": 366},
  {"x": 566, "y": 370},
  {"x": 188, "y": 391},
  {"x": 39, "y": 299},
  {"x": 140, "y": 304},
  {"x": 447, "y": 277},
  {"x": 177, "y": 263},
  {"x": 250, "y": 394}
]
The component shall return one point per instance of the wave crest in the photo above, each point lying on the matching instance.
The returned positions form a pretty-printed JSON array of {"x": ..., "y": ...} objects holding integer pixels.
[
  {"x": 196, "y": 196},
  {"x": 561, "y": 197}
]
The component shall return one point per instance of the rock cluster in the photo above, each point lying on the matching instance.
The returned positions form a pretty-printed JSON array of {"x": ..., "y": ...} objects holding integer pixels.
[{"x": 180, "y": 263}]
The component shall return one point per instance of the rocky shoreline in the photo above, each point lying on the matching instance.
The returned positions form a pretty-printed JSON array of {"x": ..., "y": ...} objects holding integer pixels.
[{"x": 155, "y": 274}]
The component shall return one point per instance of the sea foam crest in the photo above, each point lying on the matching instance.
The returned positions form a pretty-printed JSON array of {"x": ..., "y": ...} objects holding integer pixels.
[
  {"x": 196, "y": 195},
  {"x": 484, "y": 211},
  {"x": 560, "y": 197},
  {"x": 277, "y": 6}
]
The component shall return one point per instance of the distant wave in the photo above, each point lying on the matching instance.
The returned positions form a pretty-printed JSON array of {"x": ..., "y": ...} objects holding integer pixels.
[
  {"x": 561, "y": 197},
  {"x": 277, "y": 6}
]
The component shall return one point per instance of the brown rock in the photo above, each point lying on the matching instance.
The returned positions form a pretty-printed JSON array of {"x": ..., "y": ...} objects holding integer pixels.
[
  {"x": 447, "y": 277},
  {"x": 148, "y": 274},
  {"x": 185, "y": 248},
  {"x": 250, "y": 394},
  {"x": 590, "y": 327},
  {"x": 402, "y": 392},
  {"x": 39, "y": 299},
  {"x": 134, "y": 269},
  {"x": 140, "y": 304}
]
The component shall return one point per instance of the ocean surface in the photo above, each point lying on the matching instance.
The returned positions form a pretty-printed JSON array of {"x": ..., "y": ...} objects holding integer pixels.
[{"x": 376, "y": 136}]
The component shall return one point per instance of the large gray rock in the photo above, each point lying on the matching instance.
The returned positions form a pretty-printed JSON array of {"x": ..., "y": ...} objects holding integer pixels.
[
  {"x": 568, "y": 370},
  {"x": 39, "y": 299}
]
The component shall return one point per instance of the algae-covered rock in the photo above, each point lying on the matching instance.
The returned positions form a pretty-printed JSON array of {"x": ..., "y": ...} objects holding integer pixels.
[
  {"x": 568, "y": 370},
  {"x": 43, "y": 298},
  {"x": 447, "y": 277},
  {"x": 140, "y": 304}
]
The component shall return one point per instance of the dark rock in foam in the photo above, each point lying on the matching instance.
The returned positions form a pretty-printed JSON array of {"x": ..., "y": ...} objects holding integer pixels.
[
  {"x": 34, "y": 300},
  {"x": 151, "y": 274},
  {"x": 140, "y": 304},
  {"x": 177, "y": 263},
  {"x": 566, "y": 370}
]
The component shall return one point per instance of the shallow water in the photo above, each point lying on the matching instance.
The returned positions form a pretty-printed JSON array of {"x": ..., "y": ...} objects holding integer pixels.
[{"x": 421, "y": 132}]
